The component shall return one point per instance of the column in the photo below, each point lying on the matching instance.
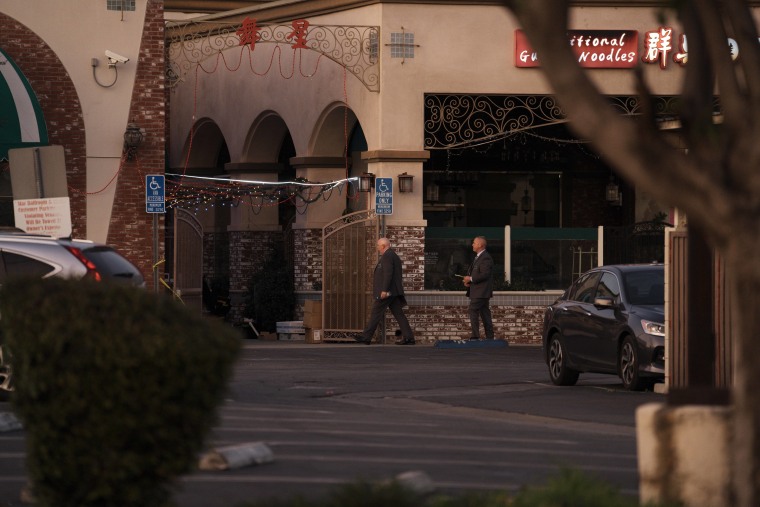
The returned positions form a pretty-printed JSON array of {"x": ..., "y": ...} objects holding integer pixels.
[{"x": 311, "y": 218}]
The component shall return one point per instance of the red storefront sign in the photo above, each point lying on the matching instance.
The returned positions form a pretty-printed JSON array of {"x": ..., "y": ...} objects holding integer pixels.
[{"x": 595, "y": 49}]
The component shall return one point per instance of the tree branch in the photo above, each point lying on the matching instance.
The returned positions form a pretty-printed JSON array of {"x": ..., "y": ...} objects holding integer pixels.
[{"x": 639, "y": 154}]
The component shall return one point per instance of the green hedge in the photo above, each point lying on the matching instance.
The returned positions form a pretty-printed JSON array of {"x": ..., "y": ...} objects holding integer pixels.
[{"x": 116, "y": 387}]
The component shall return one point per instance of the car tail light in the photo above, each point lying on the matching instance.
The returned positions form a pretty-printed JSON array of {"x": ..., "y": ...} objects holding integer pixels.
[{"x": 92, "y": 270}]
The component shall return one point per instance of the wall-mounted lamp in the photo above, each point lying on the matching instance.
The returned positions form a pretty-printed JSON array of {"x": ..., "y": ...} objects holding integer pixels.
[
  {"x": 526, "y": 203},
  {"x": 432, "y": 192},
  {"x": 133, "y": 137},
  {"x": 405, "y": 182},
  {"x": 366, "y": 182},
  {"x": 612, "y": 192}
]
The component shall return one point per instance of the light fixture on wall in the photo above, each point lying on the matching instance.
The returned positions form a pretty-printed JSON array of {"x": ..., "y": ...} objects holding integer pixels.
[
  {"x": 432, "y": 192},
  {"x": 405, "y": 182},
  {"x": 366, "y": 182},
  {"x": 612, "y": 192},
  {"x": 526, "y": 203},
  {"x": 133, "y": 137}
]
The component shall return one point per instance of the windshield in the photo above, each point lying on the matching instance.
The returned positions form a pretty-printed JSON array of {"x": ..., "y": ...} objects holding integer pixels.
[{"x": 645, "y": 287}]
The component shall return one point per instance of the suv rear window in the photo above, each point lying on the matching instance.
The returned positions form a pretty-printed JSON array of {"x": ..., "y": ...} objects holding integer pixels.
[{"x": 111, "y": 264}]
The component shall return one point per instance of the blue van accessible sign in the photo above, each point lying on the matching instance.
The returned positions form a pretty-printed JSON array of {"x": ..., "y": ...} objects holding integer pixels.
[{"x": 155, "y": 193}]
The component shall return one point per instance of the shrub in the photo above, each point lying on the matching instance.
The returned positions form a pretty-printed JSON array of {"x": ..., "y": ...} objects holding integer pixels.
[
  {"x": 570, "y": 488},
  {"x": 573, "y": 488},
  {"x": 116, "y": 387}
]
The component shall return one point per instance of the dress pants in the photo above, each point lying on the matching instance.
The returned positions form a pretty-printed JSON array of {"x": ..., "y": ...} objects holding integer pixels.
[
  {"x": 479, "y": 309},
  {"x": 378, "y": 310}
]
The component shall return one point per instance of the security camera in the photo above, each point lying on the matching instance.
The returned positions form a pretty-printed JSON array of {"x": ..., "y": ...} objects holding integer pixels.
[{"x": 114, "y": 58}]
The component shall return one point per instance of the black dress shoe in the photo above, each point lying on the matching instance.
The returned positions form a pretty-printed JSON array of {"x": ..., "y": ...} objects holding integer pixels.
[
  {"x": 405, "y": 342},
  {"x": 361, "y": 339},
  {"x": 474, "y": 337}
]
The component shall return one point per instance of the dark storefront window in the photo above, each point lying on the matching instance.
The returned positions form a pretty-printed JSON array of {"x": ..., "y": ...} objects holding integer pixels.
[
  {"x": 551, "y": 258},
  {"x": 492, "y": 199},
  {"x": 539, "y": 258},
  {"x": 448, "y": 252}
]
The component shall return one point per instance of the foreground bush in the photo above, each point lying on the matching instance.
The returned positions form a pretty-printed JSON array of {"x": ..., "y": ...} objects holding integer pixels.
[
  {"x": 570, "y": 488},
  {"x": 116, "y": 388}
]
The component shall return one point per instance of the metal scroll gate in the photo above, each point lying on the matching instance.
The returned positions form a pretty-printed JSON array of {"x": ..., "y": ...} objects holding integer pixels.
[
  {"x": 349, "y": 258},
  {"x": 188, "y": 259}
]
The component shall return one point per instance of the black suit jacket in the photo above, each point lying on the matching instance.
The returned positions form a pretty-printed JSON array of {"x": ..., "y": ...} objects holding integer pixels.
[
  {"x": 481, "y": 272},
  {"x": 387, "y": 277}
]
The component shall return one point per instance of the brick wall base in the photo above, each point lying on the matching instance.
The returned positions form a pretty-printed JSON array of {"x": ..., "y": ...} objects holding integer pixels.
[
  {"x": 517, "y": 324},
  {"x": 307, "y": 258},
  {"x": 517, "y": 316}
]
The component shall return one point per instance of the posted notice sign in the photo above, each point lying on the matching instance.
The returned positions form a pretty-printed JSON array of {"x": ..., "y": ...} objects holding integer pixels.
[
  {"x": 50, "y": 216},
  {"x": 384, "y": 196},
  {"x": 155, "y": 193}
]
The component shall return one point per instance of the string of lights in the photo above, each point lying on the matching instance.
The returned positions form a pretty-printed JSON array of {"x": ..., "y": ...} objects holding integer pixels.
[{"x": 203, "y": 192}]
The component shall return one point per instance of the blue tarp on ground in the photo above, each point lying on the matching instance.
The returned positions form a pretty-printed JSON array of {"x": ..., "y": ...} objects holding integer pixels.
[{"x": 470, "y": 344}]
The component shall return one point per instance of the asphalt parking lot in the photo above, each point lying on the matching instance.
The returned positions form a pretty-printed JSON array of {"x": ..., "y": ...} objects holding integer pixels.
[{"x": 470, "y": 419}]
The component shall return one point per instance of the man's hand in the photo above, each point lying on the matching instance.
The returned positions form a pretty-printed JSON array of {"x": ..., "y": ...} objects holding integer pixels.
[
  {"x": 467, "y": 280},
  {"x": 384, "y": 294}
]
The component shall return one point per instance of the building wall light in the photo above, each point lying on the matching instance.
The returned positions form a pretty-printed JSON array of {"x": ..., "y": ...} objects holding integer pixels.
[
  {"x": 405, "y": 182},
  {"x": 133, "y": 137},
  {"x": 366, "y": 182}
]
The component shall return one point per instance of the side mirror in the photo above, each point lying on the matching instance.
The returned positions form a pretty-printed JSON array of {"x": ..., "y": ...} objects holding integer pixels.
[{"x": 604, "y": 302}]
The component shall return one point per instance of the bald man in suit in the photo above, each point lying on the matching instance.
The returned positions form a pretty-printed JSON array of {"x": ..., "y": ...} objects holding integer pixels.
[
  {"x": 388, "y": 292},
  {"x": 479, "y": 283}
]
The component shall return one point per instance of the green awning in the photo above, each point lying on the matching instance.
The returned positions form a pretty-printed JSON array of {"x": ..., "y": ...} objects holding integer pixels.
[{"x": 22, "y": 124}]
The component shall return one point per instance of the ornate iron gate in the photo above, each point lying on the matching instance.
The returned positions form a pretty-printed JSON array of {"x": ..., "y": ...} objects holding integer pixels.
[
  {"x": 188, "y": 259},
  {"x": 349, "y": 258}
]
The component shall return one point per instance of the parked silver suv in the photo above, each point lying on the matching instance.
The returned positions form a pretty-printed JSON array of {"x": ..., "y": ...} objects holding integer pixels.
[{"x": 33, "y": 255}]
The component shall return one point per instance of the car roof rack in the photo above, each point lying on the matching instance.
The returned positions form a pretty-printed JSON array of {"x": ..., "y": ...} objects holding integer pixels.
[{"x": 7, "y": 230}]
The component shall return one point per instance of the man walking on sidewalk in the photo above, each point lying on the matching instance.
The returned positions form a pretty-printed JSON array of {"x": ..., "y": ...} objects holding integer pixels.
[{"x": 388, "y": 292}]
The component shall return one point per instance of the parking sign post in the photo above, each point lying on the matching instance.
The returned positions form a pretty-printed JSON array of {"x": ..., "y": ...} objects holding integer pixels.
[{"x": 155, "y": 202}]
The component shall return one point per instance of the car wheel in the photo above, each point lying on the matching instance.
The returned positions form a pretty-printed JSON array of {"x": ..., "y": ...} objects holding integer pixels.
[
  {"x": 628, "y": 363},
  {"x": 560, "y": 374}
]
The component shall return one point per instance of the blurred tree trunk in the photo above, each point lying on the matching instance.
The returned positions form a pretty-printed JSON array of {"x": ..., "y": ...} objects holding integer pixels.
[{"x": 716, "y": 182}]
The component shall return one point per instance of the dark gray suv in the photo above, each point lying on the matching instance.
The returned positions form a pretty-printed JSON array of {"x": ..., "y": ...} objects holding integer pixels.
[{"x": 33, "y": 255}]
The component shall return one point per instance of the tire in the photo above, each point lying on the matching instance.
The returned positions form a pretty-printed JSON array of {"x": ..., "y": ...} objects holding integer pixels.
[
  {"x": 628, "y": 365},
  {"x": 559, "y": 372}
]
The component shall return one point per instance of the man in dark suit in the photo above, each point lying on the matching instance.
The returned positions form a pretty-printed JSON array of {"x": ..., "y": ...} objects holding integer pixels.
[
  {"x": 479, "y": 283},
  {"x": 388, "y": 292}
]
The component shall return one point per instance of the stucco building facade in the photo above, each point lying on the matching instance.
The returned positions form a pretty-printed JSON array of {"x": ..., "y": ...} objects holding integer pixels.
[{"x": 320, "y": 92}]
